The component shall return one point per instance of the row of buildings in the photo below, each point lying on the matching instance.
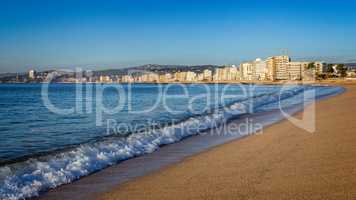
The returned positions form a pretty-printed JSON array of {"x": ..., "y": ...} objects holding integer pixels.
[
  {"x": 230, "y": 73},
  {"x": 280, "y": 68},
  {"x": 182, "y": 76},
  {"x": 271, "y": 69}
]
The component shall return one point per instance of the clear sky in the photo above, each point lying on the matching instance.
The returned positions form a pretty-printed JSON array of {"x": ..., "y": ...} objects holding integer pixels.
[{"x": 44, "y": 34}]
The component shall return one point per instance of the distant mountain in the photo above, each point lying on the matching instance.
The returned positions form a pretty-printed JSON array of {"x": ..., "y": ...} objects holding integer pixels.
[
  {"x": 11, "y": 74},
  {"x": 159, "y": 69}
]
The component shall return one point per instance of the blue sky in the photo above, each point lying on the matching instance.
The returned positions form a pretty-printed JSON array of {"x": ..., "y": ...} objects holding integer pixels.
[{"x": 98, "y": 35}]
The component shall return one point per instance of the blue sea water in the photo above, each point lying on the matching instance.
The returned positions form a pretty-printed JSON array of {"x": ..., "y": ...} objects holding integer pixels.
[{"x": 41, "y": 149}]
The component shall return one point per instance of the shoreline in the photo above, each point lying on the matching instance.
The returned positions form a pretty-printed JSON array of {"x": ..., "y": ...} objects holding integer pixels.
[
  {"x": 280, "y": 82},
  {"x": 200, "y": 177}
]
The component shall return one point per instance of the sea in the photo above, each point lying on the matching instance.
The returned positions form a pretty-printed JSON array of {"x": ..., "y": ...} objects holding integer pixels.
[{"x": 54, "y": 134}]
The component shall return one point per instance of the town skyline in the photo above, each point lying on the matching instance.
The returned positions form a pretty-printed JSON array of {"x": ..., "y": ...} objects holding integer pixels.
[{"x": 273, "y": 68}]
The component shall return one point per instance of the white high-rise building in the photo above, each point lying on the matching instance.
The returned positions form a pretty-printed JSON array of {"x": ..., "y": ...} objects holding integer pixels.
[
  {"x": 256, "y": 70},
  {"x": 296, "y": 69},
  {"x": 261, "y": 70},
  {"x": 247, "y": 71},
  {"x": 208, "y": 75},
  {"x": 227, "y": 74},
  {"x": 281, "y": 65},
  {"x": 31, "y": 74}
]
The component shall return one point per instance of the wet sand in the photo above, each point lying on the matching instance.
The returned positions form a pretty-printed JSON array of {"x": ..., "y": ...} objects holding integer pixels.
[{"x": 285, "y": 162}]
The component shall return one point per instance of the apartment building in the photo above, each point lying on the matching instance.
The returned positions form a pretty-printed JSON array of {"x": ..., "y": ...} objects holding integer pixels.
[
  {"x": 256, "y": 70},
  {"x": 279, "y": 65},
  {"x": 320, "y": 67},
  {"x": 295, "y": 70},
  {"x": 261, "y": 70},
  {"x": 208, "y": 75},
  {"x": 247, "y": 71},
  {"x": 233, "y": 73},
  {"x": 31, "y": 74},
  {"x": 226, "y": 74}
]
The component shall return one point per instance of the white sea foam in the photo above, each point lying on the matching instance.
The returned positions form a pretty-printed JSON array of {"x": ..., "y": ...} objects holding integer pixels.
[{"x": 29, "y": 178}]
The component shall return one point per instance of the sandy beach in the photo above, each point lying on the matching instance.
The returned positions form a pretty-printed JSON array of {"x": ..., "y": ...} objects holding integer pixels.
[{"x": 284, "y": 162}]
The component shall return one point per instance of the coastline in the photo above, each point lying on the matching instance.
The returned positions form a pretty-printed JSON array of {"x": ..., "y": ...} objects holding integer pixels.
[
  {"x": 276, "y": 164},
  {"x": 280, "y": 82}
]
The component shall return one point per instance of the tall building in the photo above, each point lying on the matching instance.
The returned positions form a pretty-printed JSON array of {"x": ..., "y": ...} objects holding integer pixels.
[
  {"x": 261, "y": 70},
  {"x": 208, "y": 75},
  {"x": 218, "y": 74},
  {"x": 299, "y": 70},
  {"x": 233, "y": 73},
  {"x": 255, "y": 70},
  {"x": 320, "y": 67},
  {"x": 31, "y": 74},
  {"x": 271, "y": 68},
  {"x": 227, "y": 74},
  {"x": 295, "y": 70},
  {"x": 277, "y": 67},
  {"x": 247, "y": 71}
]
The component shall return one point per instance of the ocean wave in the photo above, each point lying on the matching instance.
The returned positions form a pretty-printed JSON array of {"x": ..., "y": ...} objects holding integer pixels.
[{"x": 35, "y": 175}]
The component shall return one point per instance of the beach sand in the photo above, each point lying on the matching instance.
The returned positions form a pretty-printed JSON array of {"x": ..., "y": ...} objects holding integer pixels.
[{"x": 285, "y": 162}]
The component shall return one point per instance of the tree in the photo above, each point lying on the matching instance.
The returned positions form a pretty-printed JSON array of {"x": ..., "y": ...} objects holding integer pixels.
[
  {"x": 311, "y": 65},
  {"x": 330, "y": 69},
  {"x": 341, "y": 70}
]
